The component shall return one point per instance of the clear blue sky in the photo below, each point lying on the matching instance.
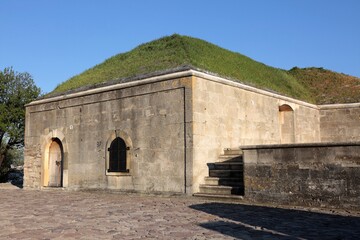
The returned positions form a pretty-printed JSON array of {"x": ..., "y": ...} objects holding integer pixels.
[{"x": 54, "y": 40}]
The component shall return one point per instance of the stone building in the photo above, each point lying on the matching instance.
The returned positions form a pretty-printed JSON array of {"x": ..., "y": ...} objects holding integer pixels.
[{"x": 160, "y": 133}]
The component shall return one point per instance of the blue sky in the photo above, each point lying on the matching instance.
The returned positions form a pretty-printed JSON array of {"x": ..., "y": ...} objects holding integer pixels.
[{"x": 54, "y": 40}]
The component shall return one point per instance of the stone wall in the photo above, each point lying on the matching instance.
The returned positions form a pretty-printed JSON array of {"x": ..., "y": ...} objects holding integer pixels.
[
  {"x": 340, "y": 123},
  {"x": 151, "y": 118},
  {"x": 322, "y": 175},
  {"x": 173, "y": 124},
  {"x": 227, "y": 115}
]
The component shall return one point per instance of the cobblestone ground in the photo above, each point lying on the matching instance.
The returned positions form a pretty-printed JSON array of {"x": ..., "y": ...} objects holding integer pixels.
[{"x": 29, "y": 214}]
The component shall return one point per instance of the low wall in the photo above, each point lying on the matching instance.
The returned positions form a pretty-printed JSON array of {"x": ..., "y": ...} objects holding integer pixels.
[{"x": 322, "y": 175}]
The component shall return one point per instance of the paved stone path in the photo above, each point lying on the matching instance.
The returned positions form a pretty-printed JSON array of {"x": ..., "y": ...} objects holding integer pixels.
[{"x": 29, "y": 214}]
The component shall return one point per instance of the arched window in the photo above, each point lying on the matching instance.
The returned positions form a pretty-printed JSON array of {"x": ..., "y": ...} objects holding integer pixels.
[{"x": 117, "y": 156}]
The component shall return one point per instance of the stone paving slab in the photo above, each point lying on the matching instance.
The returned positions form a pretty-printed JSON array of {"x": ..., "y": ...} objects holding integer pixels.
[{"x": 59, "y": 214}]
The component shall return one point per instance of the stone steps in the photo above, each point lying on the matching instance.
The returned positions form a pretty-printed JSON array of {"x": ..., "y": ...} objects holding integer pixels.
[
  {"x": 230, "y": 158},
  {"x": 226, "y": 173},
  {"x": 219, "y": 197},
  {"x": 226, "y": 177},
  {"x": 216, "y": 181},
  {"x": 226, "y": 166},
  {"x": 220, "y": 190},
  {"x": 233, "y": 151}
]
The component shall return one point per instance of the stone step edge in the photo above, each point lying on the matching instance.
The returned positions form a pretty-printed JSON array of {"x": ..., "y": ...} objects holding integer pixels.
[
  {"x": 233, "y": 151},
  {"x": 230, "y": 179},
  {"x": 226, "y": 170},
  {"x": 219, "y": 186},
  {"x": 226, "y": 158},
  {"x": 236, "y": 179},
  {"x": 218, "y": 196},
  {"x": 230, "y": 156},
  {"x": 228, "y": 163}
]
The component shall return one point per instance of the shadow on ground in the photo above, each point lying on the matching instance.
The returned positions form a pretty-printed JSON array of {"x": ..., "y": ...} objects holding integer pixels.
[
  {"x": 14, "y": 177},
  {"x": 250, "y": 222}
]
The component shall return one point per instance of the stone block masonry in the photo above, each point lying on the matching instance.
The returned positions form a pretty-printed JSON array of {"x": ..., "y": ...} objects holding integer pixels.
[
  {"x": 173, "y": 124},
  {"x": 322, "y": 175},
  {"x": 340, "y": 122},
  {"x": 151, "y": 120}
]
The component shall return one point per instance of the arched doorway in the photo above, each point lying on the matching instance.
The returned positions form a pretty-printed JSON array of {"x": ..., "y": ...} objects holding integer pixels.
[
  {"x": 287, "y": 128},
  {"x": 55, "y": 164}
]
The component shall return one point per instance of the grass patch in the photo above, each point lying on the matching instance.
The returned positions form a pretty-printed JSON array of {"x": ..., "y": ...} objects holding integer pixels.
[{"x": 327, "y": 86}]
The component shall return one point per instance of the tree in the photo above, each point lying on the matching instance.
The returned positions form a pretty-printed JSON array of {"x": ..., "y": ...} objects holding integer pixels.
[{"x": 16, "y": 90}]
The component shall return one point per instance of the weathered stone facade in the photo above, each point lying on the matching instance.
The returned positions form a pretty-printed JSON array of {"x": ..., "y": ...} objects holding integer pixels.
[
  {"x": 173, "y": 125},
  {"x": 340, "y": 122},
  {"x": 307, "y": 174},
  {"x": 229, "y": 115},
  {"x": 151, "y": 118}
]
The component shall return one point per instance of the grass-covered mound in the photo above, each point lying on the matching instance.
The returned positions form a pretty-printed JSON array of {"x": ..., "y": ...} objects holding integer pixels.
[
  {"x": 327, "y": 86},
  {"x": 176, "y": 50},
  {"x": 314, "y": 85}
]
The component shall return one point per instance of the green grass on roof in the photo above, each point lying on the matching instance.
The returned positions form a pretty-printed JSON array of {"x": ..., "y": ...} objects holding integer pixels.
[
  {"x": 327, "y": 86},
  {"x": 174, "y": 51}
]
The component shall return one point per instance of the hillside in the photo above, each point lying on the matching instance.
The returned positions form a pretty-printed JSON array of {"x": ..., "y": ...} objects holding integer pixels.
[
  {"x": 314, "y": 85},
  {"x": 327, "y": 86}
]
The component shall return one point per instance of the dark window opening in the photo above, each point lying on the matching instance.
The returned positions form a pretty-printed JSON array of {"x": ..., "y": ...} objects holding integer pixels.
[{"x": 117, "y": 159}]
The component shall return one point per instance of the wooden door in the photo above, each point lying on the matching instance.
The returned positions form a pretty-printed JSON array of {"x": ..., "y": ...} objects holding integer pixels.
[{"x": 55, "y": 165}]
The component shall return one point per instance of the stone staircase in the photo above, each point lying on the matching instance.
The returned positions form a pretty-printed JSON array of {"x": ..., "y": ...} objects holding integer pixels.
[{"x": 226, "y": 177}]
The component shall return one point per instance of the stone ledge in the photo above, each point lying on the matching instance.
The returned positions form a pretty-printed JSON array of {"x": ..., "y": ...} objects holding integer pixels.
[{"x": 300, "y": 145}]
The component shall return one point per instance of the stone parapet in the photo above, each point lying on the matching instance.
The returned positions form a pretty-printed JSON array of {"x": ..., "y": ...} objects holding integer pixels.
[{"x": 318, "y": 174}]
